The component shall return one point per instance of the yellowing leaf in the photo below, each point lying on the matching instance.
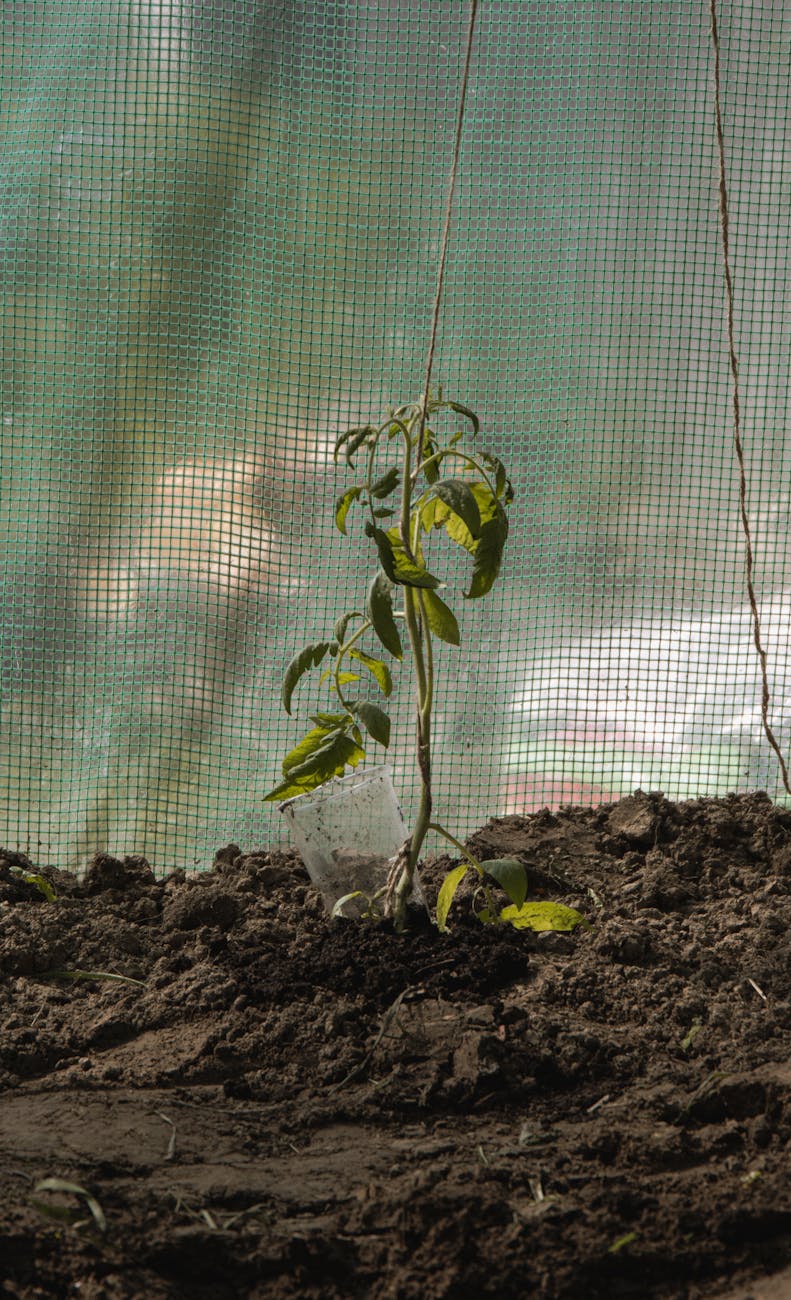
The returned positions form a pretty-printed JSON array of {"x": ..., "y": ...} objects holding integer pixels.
[
  {"x": 342, "y": 506},
  {"x": 396, "y": 563},
  {"x": 544, "y": 916},
  {"x": 488, "y": 554},
  {"x": 378, "y": 669},
  {"x": 447, "y": 890}
]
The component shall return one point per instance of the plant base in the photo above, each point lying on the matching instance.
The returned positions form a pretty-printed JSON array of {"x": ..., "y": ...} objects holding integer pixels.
[{"x": 348, "y": 833}]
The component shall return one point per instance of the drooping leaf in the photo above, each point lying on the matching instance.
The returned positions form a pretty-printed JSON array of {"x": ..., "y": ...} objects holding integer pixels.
[
  {"x": 395, "y": 561},
  {"x": 428, "y": 514},
  {"x": 386, "y": 484},
  {"x": 329, "y": 721},
  {"x": 352, "y": 440},
  {"x": 339, "y": 631},
  {"x": 431, "y": 470},
  {"x": 544, "y": 916},
  {"x": 344, "y": 677},
  {"x": 395, "y": 425},
  {"x": 386, "y": 557},
  {"x": 379, "y": 607},
  {"x": 441, "y": 618},
  {"x": 468, "y": 414},
  {"x": 41, "y": 883},
  {"x": 459, "y": 497},
  {"x": 488, "y": 555},
  {"x": 308, "y": 658},
  {"x": 502, "y": 484},
  {"x": 314, "y": 742},
  {"x": 510, "y": 876},
  {"x": 374, "y": 719},
  {"x": 330, "y": 759},
  {"x": 437, "y": 514},
  {"x": 342, "y": 506},
  {"x": 340, "y": 903},
  {"x": 447, "y": 892},
  {"x": 72, "y": 1189},
  {"x": 378, "y": 669}
]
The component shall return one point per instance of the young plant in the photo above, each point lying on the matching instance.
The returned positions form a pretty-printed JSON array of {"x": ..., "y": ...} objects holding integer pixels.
[
  {"x": 510, "y": 875},
  {"x": 408, "y": 496}
]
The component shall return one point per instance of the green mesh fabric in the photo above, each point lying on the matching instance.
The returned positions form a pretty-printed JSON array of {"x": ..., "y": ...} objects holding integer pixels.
[{"x": 219, "y": 228}]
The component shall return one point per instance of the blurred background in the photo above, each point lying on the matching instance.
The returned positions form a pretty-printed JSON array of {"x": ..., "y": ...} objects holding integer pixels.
[{"x": 219, "y": 226}]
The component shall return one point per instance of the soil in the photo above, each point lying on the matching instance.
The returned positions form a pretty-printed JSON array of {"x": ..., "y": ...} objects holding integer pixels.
[{"x": 273, "y": 1103}]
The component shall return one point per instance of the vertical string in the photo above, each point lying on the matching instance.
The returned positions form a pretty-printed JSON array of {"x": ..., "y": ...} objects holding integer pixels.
[
  {"x": 736, "y": 401},
  {"x": 445, "y": 240}
]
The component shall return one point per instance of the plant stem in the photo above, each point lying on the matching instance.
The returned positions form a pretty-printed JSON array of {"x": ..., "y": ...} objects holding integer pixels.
[
  {"x": 422, "y": 659},
  {"x": 342, "y": 652},
  {"x": 417, "y": 624},
  {"x": 457, "y": 844}
]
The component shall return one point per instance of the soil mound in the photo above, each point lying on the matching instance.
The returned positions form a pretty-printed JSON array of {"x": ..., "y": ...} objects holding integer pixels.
[{"x": 242, "y": 1097}]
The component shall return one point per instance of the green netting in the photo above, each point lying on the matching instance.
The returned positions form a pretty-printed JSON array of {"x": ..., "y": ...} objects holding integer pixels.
[{"x": 219, "y": 233}]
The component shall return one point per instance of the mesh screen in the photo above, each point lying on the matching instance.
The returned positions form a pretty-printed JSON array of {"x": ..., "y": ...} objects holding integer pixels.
[{"x": 220, "y": 227}]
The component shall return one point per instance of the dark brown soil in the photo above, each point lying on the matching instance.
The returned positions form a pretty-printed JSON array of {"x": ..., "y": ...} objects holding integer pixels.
[{"x": 286, "y": 1105}]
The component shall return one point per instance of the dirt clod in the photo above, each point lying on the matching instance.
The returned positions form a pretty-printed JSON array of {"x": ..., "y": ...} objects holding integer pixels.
[{"x": 267, "y": 1102}]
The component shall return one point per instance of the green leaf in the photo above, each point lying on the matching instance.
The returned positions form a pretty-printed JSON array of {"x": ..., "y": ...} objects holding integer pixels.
[
  {"x": 488, "y": 555},
  {"x": 330, "y": 759},
  {"x": 378, "y": 669},
  {"x": 342, "y": 506},
  {"x": 353, "y": 439},
  {"x": 386, "y": 484},
  {"x": 436, "y": 514},
  {"x": 620, "y": 1242},
  {"x": 468, "y": 414},
  {"x": 379, "y": 607},
  {"x": 72, "y": 1189},
  {"x": 431, "y": 470},
  {"x": 396, "y": 426},
  {"x": 42, "y": 884},
  {"x": 339, "y": 631},
  {"x": 502, "y": 484},
  {"x": 343, "y": 677},
  {"x": 459, "y": 497},
  {"x": 446, "y": 894},
  {"x": 441, "y": 619},
  {"x": 374, "y": 719},
  {"x": 314, "y": 742},
  {"x": 300, "y": 664},
  {"x": 510, "y": 876},
  {"x": 395, "y": 561},
  {"x": 329, "y": 721},
  {"x": 544, "y": 916},
  {"x": 386, "y": 557},
  {"x": 340, "y": 903},
  {"x": 383, "y": 512}
]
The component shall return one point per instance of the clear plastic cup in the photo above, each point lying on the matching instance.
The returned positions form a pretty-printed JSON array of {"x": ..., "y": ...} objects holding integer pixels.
[{"x": 347, "y": 833}]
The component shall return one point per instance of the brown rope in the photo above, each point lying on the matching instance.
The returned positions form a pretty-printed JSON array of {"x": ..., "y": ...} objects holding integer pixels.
[
  {"x": 445, "y": 240},
  {"x": 737, "y": 423}
]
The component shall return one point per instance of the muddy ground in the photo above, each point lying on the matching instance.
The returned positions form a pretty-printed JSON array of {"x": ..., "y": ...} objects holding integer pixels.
[{"x": 276, "y": 1104}]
